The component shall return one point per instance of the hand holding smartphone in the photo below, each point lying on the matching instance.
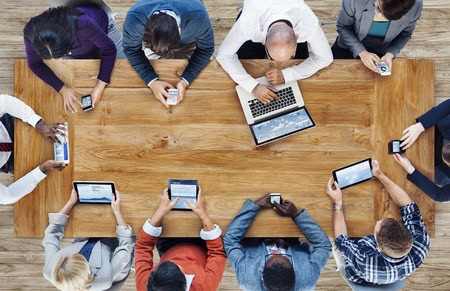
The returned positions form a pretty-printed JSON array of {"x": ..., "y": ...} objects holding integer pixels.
[
  {"x": 383, "y": 69},
  {"x": 173, "y": 97},
  {"x": 86, "y": 103},
  {"x": 275, "y": 198}
]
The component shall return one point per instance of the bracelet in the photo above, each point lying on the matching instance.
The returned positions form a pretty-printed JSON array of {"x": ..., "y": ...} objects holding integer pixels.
[{"x": 338, "y": 207}]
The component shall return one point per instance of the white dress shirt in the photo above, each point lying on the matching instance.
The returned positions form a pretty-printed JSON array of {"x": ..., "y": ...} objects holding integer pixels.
[
  {"x": 256, "y": 17},
  {"x": 26, "y": 184}
]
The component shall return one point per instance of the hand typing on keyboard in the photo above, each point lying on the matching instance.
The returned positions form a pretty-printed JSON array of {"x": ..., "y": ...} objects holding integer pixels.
[{"x": 265, "y": 94}]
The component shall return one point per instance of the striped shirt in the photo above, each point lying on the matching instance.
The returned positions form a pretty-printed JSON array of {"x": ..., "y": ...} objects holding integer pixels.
[{"x": 365, "y": 263}]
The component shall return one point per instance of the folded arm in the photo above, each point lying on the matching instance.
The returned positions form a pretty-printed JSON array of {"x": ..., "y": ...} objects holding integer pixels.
[
  {"x": 235, "y": 233},
  {"x": 320, "y": 58},
  {"x": 133, "y": 30},
  {"x": 346, "y": 29},
  {"x": 204, "y": 46},
  {"x": 14, "y": 192},
  {"x": 228, "y": 58},
  {"x": 316, "y": 237},
  {"x": 399, "y": 42}
]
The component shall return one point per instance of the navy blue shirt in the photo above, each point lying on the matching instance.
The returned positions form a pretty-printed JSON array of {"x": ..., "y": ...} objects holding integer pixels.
[
  {"x": 440, "y": 116},
  {"x": 195, "y": 26}
]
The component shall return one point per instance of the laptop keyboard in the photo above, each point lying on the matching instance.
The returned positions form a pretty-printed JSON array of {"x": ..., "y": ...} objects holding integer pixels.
[{"x": 286, "y": 99}]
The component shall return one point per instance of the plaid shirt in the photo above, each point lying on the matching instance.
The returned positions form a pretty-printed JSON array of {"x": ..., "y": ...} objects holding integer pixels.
[{"x": 364, "y": 263}]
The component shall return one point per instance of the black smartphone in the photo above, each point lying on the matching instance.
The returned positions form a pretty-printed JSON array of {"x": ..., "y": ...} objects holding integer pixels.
[
  {"x": 394, "y": 147},
  {"x": 86, "y": 102}
]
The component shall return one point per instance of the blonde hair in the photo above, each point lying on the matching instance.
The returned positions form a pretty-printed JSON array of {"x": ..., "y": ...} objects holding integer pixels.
[{"x": 72, "y": 273}]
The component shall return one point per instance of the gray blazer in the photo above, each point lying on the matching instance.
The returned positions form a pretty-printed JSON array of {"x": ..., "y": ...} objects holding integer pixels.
[
  {"x": 110, "y": 260},
  {"x": 356, "y": 17}
]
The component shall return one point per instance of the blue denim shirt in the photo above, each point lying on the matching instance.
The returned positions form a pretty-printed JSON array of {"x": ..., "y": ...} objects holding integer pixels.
[
  {"x": 195, "y": 26},
  {"x": 248, "y": 261}
]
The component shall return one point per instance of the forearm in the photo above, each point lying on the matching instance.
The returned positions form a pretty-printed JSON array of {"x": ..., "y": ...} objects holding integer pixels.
[
  {"x": 399, "y": 43},
  {"x": 397, "y": 194},
  {"x": 120, "y": 221},
  {"x": 21, "y": 187},
  {"x": 340, "y": 227},
  {"x": 439, "y": 194},
  {"x": 198, "y": 61},
  {"x": 67, "y": 208},
  {"x": 17, "y": 108}
]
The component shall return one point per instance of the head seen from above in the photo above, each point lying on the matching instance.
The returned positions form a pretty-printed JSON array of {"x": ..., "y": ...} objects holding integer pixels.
[
  {"x": 394, "y": 9},
  {"x": 446, "y": 154},
  {"x": 51, "y": 33},
  {"x": 393, "y": 238},
  {"x": 162, "y": 34},
  {"x": 281, "y": 41},
  {"x": 278, "y": 274},
  {"x": 72, "y": 272},
  {"x": 168, "y": 276}
]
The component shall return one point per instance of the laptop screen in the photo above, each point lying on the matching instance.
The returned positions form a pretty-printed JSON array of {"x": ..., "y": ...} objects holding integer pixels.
[{"x": 281, "y": 126}]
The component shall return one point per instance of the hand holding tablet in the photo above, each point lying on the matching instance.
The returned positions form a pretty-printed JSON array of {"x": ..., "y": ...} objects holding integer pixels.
[
  {"x": 353, "y": 174},
  {"x": 95, "y": 192},
  {"x": 183, "y": 190}
]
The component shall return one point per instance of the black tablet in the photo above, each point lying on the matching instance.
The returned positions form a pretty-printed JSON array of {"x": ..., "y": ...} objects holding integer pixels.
[
  {"x": 353, "y": 174},
  {"x": 185, "y": 190},
  {"x": 95, "y": 192}
]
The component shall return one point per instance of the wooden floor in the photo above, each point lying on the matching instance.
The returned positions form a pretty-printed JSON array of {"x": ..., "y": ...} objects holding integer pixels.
[{"x": 21, "y": 260}]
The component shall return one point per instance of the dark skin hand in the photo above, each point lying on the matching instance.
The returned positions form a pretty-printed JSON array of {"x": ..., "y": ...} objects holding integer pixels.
[
  {"x": 264, "y": 202},
  {"x": 286, "y": 208},
  {"x": 50, "y": 131}
]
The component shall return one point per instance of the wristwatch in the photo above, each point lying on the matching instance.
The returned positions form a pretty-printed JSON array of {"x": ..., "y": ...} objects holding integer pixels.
[{"x": 338, "y": 207}]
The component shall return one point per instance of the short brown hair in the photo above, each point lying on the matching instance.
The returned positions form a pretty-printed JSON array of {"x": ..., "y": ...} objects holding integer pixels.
[
  {"x": 446, "y": 153},
  {"x": 394, "y": 239},
  {"x": 161, "y": 34},
  {"x": 395, "y": 9}
]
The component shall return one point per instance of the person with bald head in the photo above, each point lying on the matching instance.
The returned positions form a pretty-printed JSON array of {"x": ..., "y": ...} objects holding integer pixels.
[{"x": 278, "y": 30}]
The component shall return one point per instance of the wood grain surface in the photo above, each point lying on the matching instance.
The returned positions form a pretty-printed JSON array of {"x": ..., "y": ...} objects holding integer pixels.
[{"x": 131, "y": 139}]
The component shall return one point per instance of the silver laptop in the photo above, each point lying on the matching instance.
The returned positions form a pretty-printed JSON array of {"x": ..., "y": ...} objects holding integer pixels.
[{"x": 278, "y": 119}]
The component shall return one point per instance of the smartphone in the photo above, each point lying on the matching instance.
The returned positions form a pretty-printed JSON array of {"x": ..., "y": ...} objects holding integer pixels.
[
  {"x": 275, "y": 198},
  {"x": 173, "y": 96},
  {"x": 394, "y": 147},
  {"x": 383, "y": 69},
  {"x": 86, "y": 102},
  {"x": 62, "y": 150}
]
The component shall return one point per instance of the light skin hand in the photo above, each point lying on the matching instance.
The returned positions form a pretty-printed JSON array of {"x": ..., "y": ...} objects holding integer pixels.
[
  {"x": 70, "y": 203},
  {"x": 71, "y": 98},
  {"x": 181, "y": 86},
  {"x": 97, "y": 92},
  {"x": 404, "y": 162},
  {"x": 387, "y": 58},
  {"x": 165, "y": 205},
  {"x": 265, "y": 94},
  {"x": 49, "y": 131},
  {"x": 115, "y": 206},
  {"x": 334, "y": 192},
  {"x": 275, "y": 76},
  {"x": 376, "y": 171},
  {"x": 369, "y": 60},
  {"x": 199, "y": 208},
  {"x": 411, "y": 134},
  {"x": 159, "y": 89}
]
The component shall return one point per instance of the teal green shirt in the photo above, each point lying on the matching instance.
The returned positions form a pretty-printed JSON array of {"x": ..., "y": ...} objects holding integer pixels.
[{"x": 379, "y": 28}]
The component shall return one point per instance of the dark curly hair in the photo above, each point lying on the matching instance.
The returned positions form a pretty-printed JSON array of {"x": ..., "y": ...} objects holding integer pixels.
[
  {"x": 167, "y": 277},
  {"x": 51, "y": 33},
  {"x": 279, "y": 277}
]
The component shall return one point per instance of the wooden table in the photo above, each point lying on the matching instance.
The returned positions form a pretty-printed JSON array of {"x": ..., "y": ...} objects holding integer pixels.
[{"x": 130, "y": 138}]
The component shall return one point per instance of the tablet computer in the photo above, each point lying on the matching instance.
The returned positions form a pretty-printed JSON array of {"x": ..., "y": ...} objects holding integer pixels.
[
  {"x": 353, "y": 174},
  {"x": 185, "y": 190},
  {"x": 95, "y": 192}
]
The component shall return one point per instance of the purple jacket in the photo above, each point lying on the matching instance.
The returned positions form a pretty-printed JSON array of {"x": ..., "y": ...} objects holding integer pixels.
[{"x": 91, "y": 40}]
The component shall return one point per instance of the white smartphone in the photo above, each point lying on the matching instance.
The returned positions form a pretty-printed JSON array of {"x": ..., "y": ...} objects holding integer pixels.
[
  {"x": 275, "y": 198},
  {"x": 383, "y": 69},
  {"x": 173, "y": 96}
]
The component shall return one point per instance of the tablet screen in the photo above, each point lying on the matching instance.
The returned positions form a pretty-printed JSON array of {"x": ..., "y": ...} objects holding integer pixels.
[
  {"x": 281, "y": 126},
  {"x": 396, "y": 147},
  {"x": 185, "y": 190},
  {"x": 95, "y": 193},
  {"x": 353, "y": 174}
]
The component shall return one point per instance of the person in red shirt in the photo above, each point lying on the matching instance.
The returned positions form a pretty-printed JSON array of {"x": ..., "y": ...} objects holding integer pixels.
[{"x": 185, "y": 264}]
